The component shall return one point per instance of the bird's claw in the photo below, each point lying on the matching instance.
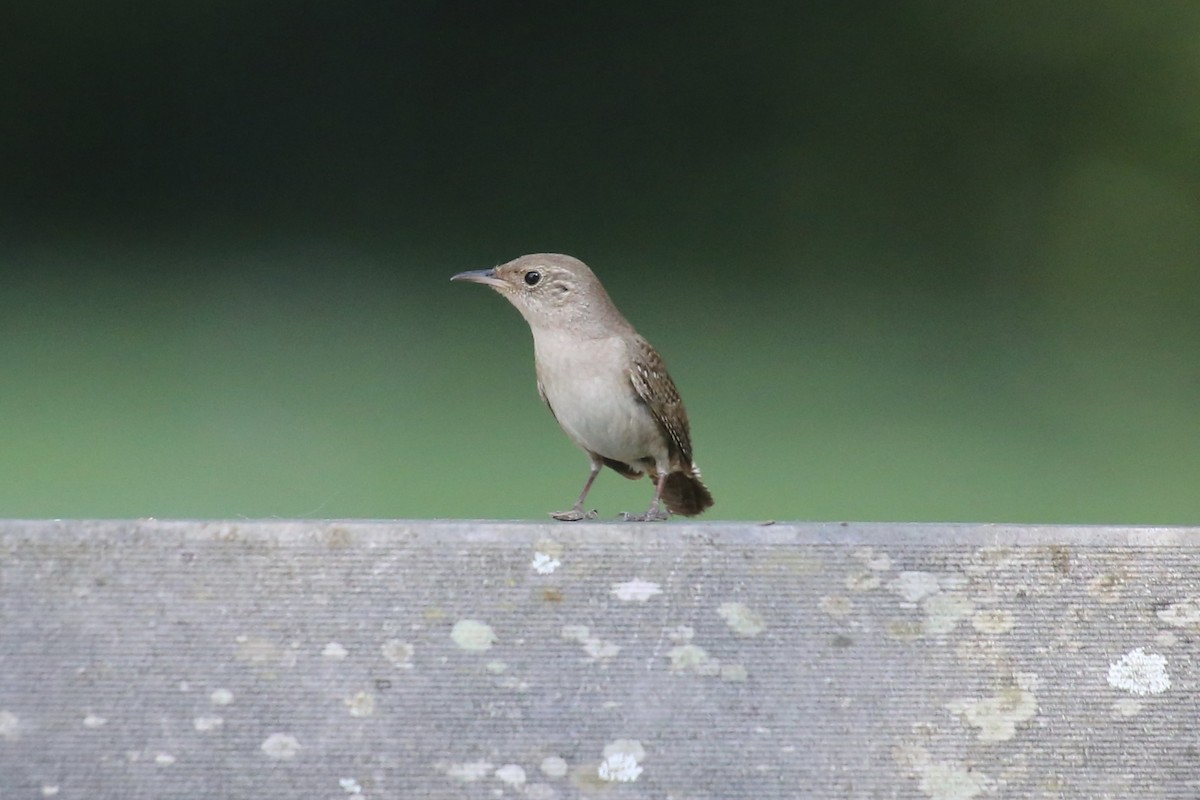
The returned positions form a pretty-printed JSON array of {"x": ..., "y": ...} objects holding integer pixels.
[
  {"x": 574, "y": 515},
  {"x": 653, "y": 515}
]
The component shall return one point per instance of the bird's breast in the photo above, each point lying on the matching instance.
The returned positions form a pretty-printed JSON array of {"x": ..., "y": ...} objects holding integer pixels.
[{"x": 586, "y": 383}]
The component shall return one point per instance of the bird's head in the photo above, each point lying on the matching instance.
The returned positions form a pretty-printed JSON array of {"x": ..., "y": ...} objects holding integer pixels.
[{"x": 550, "y": 290}]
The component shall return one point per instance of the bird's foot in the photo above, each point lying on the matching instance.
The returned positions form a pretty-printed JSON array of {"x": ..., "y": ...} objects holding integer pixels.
[
  {"x": 653, "y": 514},
  {"x": 574, "y": 515}
]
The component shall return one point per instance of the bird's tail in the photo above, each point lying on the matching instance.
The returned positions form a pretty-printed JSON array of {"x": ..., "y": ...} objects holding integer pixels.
[{"x": 684, "y": 493}]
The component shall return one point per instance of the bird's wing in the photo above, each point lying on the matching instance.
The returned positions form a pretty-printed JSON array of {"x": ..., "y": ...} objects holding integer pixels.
[{"x": 657, "y": 391}]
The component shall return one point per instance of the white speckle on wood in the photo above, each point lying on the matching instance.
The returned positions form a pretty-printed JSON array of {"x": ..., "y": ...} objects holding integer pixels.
[
  {"x": 471, "y": 634},
  {"x": 741, "y": 619},
  {"x": 622, "y": 761},
  {"x": 1166, "y": 639},
  {"x": 734, "y": 673},
  {"x": 164, "y": 759},
  {"x": 9, "y": 726},
  {"x": 281, "y": 746},
  {"x": 516, "y": 684},
  {"x": 361, "y": 704},
  {"x": 470, "y": 771},
  {"x": 553, "y": 767},
  {"x": 1029, "y": 681},
  {"x": 399, "y": 653},
  {"x": 221, "y": 697},
  {"x": 597, "y": 649},
  {"x": 600, "y": 649},
  {"x": 335, "y": 651},
  {"x": 952, "y": 781},
  {"x": 574, "y": 632},
  {"x": 693, "y": 658},
  {"x": 1140, "y": 673},
  {"x": 997, "y": 717},
  {"x": 944, "y": 610},
  {"x": 873, "y": 560},
  {"x": 206, "y": 724},
  {"x": 631, "y": 747},
  {"x": 863, "y": 581},
  {"x": 350, "y": 786},
  {"x": 512, "y": 774},
  {"x": 913, "y": 586},
  {"x": 49, "y": 789},
  {"x": 94, "y": 721},
  {"x": 681, "y": 633},
  {"x": 544, "y": 563},
  {"x": 257, "y": 650},
  {"x": 636, "y": 590},
  {"x": 1184, "y": 614},
  {"x": 1127, "y": 707},
  {"x": 619, "y": 767}
]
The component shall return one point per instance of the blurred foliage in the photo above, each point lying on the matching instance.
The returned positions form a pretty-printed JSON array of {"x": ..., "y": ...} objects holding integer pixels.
[{"x": 913, "y": 260}]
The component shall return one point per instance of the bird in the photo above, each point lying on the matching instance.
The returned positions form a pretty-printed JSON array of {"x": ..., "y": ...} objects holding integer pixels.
[{"x": 606, "y": 386}]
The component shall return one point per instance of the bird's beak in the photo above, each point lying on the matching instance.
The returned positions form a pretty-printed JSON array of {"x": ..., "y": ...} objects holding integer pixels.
[{"x": 484, "y": 276}]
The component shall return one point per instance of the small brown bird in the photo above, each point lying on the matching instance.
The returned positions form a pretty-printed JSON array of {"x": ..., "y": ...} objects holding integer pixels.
[{"x": 606, "y": 386}]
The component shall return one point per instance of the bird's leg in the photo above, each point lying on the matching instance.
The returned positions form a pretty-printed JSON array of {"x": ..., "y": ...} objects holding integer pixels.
[
  {"x": 577, "y": 513},
  {"x": 655, "y": 513}
]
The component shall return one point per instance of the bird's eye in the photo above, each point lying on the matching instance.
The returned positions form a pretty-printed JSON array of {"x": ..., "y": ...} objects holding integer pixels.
[{"x": 532, "y": 277}]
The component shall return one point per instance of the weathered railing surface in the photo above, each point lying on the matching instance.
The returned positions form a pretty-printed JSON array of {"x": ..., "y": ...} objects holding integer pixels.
[{"x": 439, "y": 659}]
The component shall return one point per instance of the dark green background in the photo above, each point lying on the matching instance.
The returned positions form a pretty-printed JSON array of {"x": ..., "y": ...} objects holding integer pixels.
[{"x": 907, "y": 260}]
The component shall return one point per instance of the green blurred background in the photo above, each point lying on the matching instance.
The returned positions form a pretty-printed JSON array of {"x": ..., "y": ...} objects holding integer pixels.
[{"x": 910, "y": 260}]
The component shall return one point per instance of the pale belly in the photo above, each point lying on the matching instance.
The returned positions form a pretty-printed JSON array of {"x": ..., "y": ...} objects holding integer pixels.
[{"x": 587, "y": 387}]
